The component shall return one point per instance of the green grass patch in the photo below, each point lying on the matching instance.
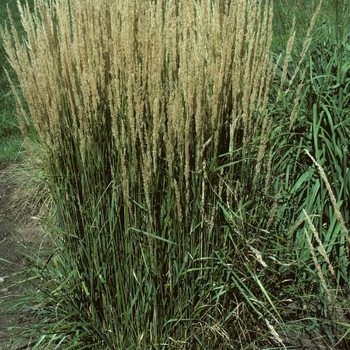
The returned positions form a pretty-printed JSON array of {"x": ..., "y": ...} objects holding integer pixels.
[{"x": 11, "y": 138}]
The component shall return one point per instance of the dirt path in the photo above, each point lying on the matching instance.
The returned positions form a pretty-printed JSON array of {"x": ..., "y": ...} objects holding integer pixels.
[{"x": 16, "y": 238}]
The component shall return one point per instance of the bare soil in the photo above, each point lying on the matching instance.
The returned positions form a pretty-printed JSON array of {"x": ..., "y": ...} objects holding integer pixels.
[{"x": 18, "y": 237}]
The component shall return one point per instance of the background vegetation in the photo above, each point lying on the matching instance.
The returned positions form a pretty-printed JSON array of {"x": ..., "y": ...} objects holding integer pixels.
[{"x": 188, "y": 212}]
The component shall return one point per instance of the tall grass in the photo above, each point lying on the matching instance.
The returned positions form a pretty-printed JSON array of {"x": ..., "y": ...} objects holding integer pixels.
[
  {"x": 315, "y": 184},
  {"x": 154, "y": 118}
]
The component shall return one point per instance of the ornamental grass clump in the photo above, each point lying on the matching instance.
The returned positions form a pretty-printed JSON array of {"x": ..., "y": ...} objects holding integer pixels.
[{"x": 153, "y": 117}]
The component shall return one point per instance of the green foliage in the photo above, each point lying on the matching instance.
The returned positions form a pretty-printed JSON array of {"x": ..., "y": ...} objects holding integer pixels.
[
  {"x": 202, "y": 243},
  {"x": 11, "y": 140},
  {"x": 334, "y": 14},
  {"x": 284, "y": 11},
  {"x": 322, "y": 128},
  {"x": 328, "y": 100}
]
